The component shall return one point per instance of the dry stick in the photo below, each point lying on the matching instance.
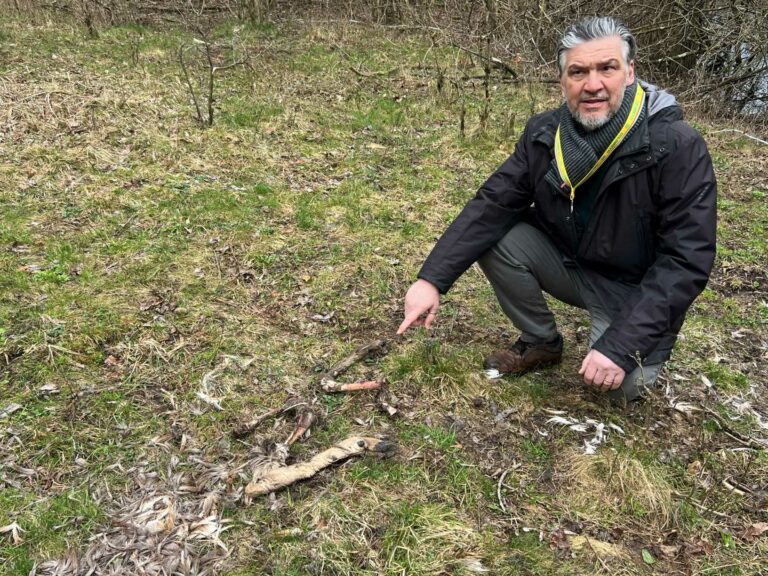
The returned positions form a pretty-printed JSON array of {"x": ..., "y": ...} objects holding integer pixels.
[
  {"x": 211, "y": 72},
  {"x": 527, "y": 80},
  {"x": 372, "y": 74},
  {"x": 330, "y": 385},
  {"x": 492, "y": 60},
  {"x": 698, "y": 504},
  {"x": 739, "y": 491},
  {"x": 189, "y": 84},
  {"x": 741, "y": 438},
  {"x": 755, "y": 138},
  {"x": 356, "y": 356},
  {"x": 285, "y": 476},
  {"x": 250, "y": 426}
]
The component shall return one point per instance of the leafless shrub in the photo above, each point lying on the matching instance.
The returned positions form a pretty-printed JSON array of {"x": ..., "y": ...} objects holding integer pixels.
[
  {"x": 208, "y": 60},
  {"x": 711, "y": 53}
]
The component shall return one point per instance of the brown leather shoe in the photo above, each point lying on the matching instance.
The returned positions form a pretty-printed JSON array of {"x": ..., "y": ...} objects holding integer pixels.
[{"x": 523, "y": 357}]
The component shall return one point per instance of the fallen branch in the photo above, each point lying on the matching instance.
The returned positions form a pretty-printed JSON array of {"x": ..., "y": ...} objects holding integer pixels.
[
  {"x": 251, "y": 425},
  {"x": 372, "y": 74},
  {"x": 330, "y": 385},
  {"x": 748, "y": 441},
  {"x": 356, "y": 356},
  {"x": 755, "y": 138},
  {"x": 492, "y": 60},
  {"x": 281, "y": 477},
  {"x": 516, "y": 80},
  {"x": 740, "y": 490}
]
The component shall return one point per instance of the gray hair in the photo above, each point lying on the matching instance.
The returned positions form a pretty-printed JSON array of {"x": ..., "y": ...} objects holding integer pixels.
[{"x": 595, "y": 28}]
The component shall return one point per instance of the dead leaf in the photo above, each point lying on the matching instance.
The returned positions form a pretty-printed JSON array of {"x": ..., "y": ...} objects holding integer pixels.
[
  {"x": 668, "y": 551},
  {"x": 558, "y": 540},
  {"x": 755, "y": 531},
  {"x": 698, "y": 547}
]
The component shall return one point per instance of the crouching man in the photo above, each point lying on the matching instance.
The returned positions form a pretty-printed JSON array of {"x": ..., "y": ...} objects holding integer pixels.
[{"x": 607, "y": 203}]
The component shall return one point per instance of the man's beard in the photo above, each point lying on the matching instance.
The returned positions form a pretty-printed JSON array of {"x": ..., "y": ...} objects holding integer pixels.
[{"x": 591, "y": 123}]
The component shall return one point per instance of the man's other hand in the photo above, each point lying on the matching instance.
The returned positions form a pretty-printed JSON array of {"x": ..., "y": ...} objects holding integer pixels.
[
  {"x": 421, "y": 303},
  {"x": 601, "y": 372}
]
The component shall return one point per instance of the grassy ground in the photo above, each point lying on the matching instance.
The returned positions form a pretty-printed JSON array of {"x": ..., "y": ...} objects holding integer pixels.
[{"x": 139, "y": 251}]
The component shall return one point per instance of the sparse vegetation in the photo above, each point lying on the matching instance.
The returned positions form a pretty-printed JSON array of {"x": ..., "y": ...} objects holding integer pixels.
[{"x": 139, "y": 251}]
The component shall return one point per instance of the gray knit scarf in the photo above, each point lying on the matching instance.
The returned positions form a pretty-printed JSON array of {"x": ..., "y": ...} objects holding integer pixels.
[{"x": 582, "y": 148}]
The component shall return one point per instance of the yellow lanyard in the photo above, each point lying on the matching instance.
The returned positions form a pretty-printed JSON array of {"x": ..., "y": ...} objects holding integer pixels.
[{"x": 634, "y": 113}]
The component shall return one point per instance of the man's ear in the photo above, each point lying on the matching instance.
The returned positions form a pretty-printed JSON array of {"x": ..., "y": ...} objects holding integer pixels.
[{"x": 631, "y": 72}]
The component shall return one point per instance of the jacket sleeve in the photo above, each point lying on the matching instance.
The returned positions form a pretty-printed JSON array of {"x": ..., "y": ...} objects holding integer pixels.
[
  {"x": 684, "y": 257},
  {"x": 498, "y": 205}
]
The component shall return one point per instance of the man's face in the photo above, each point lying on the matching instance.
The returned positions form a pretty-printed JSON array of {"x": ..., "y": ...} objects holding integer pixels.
[{"x": 594, "y": 79}]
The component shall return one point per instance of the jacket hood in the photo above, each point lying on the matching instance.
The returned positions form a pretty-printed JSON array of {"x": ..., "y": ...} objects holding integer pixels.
[{"x": 659, "y": 100}]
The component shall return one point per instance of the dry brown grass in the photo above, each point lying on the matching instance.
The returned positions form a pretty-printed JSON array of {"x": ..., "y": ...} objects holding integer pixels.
[{"x": 609, "y": 483}]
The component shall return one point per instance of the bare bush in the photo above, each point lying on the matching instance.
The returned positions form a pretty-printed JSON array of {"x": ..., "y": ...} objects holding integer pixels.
[{"x": 708, "y": 51}]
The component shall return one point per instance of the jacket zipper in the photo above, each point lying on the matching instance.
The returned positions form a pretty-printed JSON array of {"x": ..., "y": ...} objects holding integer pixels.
[{"x": 620, "y": 175}]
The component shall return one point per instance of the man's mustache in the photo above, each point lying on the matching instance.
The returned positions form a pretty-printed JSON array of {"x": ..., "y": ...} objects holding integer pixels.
[{"x": 593, "y": 98}]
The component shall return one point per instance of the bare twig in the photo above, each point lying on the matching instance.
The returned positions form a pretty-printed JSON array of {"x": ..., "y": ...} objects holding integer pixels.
[
  {"x": 733, "y": 488},
  {"x": 189, "y": 84},
  {"x": 602, "y": 562},
  {"x": 252, "y": 424},
  {"x": 330, "y": 385},
  {"x": 372, "y": 74},
  {"x": 755, "y": 138},
  {"x": 492, "y": 60},
  {"x": 356, "y": 356},
  {"x": 699, "y": 505},
  {"x": 741, "y": 438}
]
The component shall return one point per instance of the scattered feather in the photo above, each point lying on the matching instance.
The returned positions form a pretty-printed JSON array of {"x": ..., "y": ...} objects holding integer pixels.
[
  {"x": 215, "y": 402},
  {"x": 473, "y": 565},
  {"x": 10, "y": 409},
  {"x": 618, "y": 429},
  {"x": 561, "y": 420},
  {"x": 600, "y": 430},
  {"x": 170, "y": 524},
  {"x": 14, "y": 530}
]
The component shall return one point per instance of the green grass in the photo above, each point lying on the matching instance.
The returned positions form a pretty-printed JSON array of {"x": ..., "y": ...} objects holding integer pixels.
[{"x": 138, "y": 250}]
